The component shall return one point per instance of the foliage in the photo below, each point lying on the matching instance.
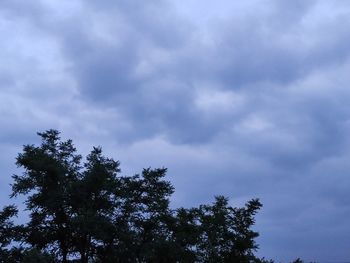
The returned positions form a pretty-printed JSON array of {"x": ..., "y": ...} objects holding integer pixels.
[
  {"x": 7, "y": 231},
  {"x": 87, "y": 212}
]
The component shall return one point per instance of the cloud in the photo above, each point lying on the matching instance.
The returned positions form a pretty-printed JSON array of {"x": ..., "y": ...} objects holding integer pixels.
[{"x": 248, "y": 100}]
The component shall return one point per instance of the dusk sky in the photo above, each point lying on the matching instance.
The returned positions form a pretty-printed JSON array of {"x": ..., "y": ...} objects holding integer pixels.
[{"x": 241, "y": 98}]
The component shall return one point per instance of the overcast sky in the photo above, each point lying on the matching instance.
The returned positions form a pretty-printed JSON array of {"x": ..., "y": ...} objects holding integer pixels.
[{"x": 241, "y": 98}]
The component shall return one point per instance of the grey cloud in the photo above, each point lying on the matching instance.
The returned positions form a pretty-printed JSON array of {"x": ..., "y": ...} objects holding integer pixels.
[{"x": 253, "y": 105}]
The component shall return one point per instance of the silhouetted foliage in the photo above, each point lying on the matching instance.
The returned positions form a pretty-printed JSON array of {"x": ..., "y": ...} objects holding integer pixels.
[
  {"x": 8, "y": 231},
  {"x": 87, "y": 212}
]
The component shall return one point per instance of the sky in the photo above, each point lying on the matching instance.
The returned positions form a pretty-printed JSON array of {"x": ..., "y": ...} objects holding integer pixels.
[{"x": 238, "y": 98}]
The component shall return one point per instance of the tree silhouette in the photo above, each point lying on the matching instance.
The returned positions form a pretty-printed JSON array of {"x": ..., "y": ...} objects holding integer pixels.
[
  {"x": 7, "y": 230},
  {"x": 51, "y": 172},
  {"x": 87, "y": 212},
  {"x": 226, "y": 234}
]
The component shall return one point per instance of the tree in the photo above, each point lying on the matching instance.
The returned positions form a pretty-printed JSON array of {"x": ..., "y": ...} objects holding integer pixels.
[
  {"x": 94, "y": 204},
  {"x": 51, "y": 171},
  {"x": 186, "y": 233},
  {"x": 7, "y": 231},
  {"x": 153, "y": 216},
  {"x": 141, "y": 219},
  {"x": 10, "y": 232},
  {"x": 86, "y": 212},
  {"x": 226, "y": 234}
]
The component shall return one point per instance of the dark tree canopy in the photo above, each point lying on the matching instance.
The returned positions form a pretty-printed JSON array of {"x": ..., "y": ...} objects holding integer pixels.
[{"x": 85, "y": 211}]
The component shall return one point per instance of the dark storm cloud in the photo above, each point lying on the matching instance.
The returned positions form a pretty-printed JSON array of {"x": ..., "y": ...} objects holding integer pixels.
[
  {"x": 250, "y": 51},
  {"x": 251, "y": 103},
  {"x": 114, "y": 68}
]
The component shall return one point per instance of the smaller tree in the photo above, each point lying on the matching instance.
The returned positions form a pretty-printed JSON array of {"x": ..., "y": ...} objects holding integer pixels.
[
  {"x": 8, "y": 231},
  {"x": 93, "y": 205},
  {"x": 226, "y": 234},
  {"x": 186, "y": 234}
]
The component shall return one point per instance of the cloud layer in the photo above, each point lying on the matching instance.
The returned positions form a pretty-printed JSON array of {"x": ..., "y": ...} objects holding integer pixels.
[{"x": 246, "y": 100}]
